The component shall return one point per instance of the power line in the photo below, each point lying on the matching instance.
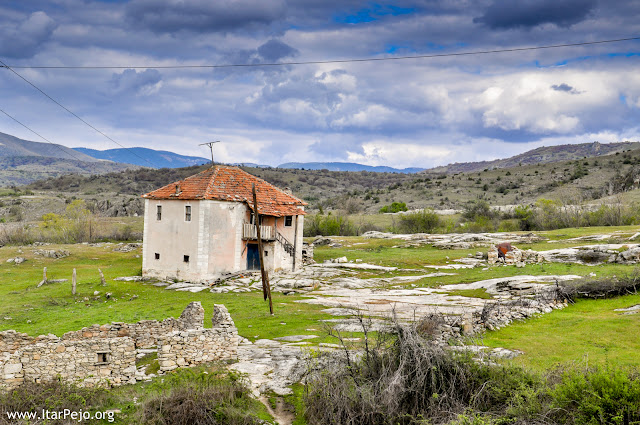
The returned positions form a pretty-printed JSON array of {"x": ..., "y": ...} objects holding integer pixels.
[
  {"x": 322, "y": 62},
  {"x": 71, "y": 112},
  {"x": 41, "y": 136}
]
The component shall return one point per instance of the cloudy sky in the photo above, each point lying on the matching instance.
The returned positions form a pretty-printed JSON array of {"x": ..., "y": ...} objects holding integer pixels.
[{"x": 416, "y": 112}]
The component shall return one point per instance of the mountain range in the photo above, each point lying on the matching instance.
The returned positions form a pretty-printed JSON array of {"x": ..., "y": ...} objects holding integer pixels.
[
  {"x": 346, "y": 166},
  {"x": 144, "y": 157},
  {"x": 23, "y": 161}
]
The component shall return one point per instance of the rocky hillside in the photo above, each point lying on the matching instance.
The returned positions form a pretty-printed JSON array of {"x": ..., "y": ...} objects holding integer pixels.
[{"x": 543, "y": 155}]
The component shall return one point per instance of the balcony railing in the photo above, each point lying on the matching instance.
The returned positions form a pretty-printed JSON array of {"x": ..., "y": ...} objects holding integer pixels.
[{"x": 267, "y": 233}]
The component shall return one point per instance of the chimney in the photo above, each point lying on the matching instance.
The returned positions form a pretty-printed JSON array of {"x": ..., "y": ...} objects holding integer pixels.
[{"x": 177, "y": 189}]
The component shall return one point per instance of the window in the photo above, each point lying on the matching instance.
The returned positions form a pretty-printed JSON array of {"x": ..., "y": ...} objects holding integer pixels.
[
  {"x": 266, "y": 253},
  {"x": 185, "y": 258},
  {"x": 187, "y": 213},
  {"x": 288, "y": 220},
  {"x": 158, "y": 212},
  {"x": 102, "y": 358},
  {"x": 157, "y": 255}
]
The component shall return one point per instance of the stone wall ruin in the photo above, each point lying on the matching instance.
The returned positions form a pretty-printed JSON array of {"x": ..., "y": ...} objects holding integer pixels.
[{"x": 106, "y": 355}]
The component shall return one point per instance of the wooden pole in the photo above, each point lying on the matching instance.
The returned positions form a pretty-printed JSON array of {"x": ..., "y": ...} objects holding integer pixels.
[
  {"x": 266, "y": 289},
  {"x": 102, "y": 281},
  {"x": 73, "y": 282},
  {"x": 44, "y": 277},
  {"x": 295, "y": 243}
]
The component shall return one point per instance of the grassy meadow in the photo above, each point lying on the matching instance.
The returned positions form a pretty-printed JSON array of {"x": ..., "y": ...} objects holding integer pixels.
[{"x": 588, "y": 332}]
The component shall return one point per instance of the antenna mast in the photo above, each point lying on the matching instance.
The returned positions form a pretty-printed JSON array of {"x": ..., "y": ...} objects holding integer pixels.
[{"x": 210, "y": 144}]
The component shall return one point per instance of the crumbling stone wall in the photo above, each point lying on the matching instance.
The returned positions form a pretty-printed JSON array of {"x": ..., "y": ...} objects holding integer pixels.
[
  {"x": 106, "y": 355},
  {"x": 106, "y": 361},
  {"x": 145, "y": 333},
  {"x": 192, "y": 347}
]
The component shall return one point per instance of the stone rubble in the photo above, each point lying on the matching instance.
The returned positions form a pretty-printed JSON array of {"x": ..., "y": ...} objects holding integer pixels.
[
  {"x": 587, "y": 255},
  {"x": 51, "y": 253},
  {"x": 127, "y": 247},
  {"x": 459, "y": 240}
]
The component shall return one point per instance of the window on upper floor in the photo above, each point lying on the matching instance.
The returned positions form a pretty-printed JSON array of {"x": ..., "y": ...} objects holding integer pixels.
[
  {"x": 185, "y": 258},
  {"x": 158, "y": 212},
  {"x": 187, "y": 213},
  {"x": 288, "y": 221}
]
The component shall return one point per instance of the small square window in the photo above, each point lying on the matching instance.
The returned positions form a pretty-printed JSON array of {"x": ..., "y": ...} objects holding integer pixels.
[
  {"x": 187, "y": 213},
  {"x": 157, "y": 255},
  {"x": 158, "y": 212},
  {"x": 102, "y": 358},
  {"x": 186, "y": 258},
  {"x": 288, "y": 220}
]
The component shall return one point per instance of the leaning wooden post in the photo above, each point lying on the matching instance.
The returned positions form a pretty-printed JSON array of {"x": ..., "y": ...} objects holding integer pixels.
[
  {"x": 44, "y": 277},
  {"x": 295, "y": 243},
  {"x": 73, "y": 282},
  {"x": 266, "y": 289},
  {"x": 102, "y": 281}
]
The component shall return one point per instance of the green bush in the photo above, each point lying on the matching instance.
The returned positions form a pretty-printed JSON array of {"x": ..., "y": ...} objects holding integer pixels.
[
  {"x": 478, "y": 209},
  {"x": 394, "y": 207},
  {"x": 425, "y": 221},
  {"x": 329, "y": 225},
  {"x": 597, "y": 396}
]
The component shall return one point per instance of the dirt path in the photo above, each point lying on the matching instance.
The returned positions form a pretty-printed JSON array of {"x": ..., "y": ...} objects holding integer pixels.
[{"x": 281, "y": 414}]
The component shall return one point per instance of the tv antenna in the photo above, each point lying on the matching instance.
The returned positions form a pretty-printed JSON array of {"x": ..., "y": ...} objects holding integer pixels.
[{"x": 210, "y": 144}]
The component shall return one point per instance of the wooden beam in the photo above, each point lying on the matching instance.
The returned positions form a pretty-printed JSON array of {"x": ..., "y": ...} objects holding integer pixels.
[
  {"x": 295, "y": 243},
  {"x": 266, "y": 289}
]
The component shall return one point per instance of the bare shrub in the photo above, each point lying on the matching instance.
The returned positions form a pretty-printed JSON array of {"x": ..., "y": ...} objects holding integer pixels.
[
  {"x": 429, "y": 326},
  {"x": 200, "y": 397},
  {"x": 15, "y": 234},
  {"x": 404, "y": 380},
  {"x": 604, "y": 287}
]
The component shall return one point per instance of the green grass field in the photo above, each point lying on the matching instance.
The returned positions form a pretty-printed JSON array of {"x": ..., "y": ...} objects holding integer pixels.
[
  {"x": 53, "y": 309},
  {"x": 562, "y": 335},
  {"x": 588, "y": 332}
]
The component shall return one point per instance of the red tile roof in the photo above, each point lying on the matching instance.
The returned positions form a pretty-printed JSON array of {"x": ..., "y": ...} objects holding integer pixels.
[{"x": 224, "y": 183}]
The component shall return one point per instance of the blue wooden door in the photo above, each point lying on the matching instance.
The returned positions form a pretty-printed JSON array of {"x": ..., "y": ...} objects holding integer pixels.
[{"x": 253, "y": 257}]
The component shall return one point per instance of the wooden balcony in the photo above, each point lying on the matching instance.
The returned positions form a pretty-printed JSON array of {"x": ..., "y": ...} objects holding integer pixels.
[{"x": 250, "y": 232}]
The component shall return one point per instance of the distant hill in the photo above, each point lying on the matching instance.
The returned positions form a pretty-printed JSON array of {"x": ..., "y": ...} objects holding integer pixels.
[
  {"x": 543, "y": 155},
  {"x": 346, "y": 166},
  {"x": 11, "y": 146},
  {"x": 144, "y": 157},
  {"x": 23, "y": 161}
]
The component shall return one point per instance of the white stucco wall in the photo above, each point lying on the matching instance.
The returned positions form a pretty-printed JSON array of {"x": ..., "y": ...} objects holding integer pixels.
[
  {"x": 172, "y": 238},
  {"x": 212, "y": 240}
]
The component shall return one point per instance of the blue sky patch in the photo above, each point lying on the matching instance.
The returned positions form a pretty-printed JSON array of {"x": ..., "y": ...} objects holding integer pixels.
[{"x": 373, "y": 13}]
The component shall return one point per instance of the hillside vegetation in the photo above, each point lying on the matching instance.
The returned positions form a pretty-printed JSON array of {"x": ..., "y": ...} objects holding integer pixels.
[
  {"x": 542, "y": 155},
  {"x": 573, "y": 181}
]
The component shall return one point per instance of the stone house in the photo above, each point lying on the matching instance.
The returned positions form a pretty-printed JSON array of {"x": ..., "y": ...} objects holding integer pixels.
[{"x": 203, "y": 226}]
